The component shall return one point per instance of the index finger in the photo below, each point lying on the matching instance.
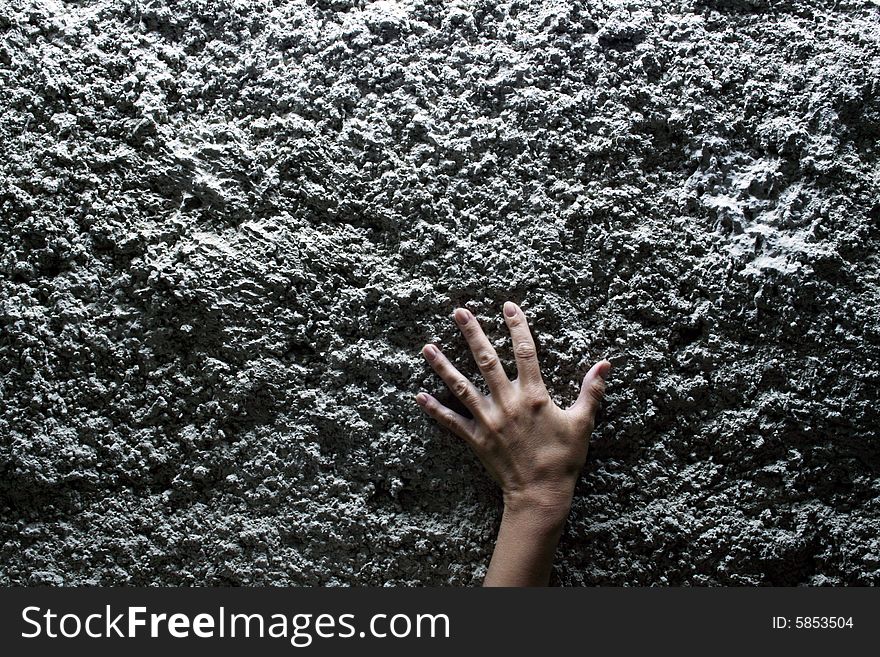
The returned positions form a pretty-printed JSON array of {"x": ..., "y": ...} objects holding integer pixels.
[{"x": 524, "y": 350}]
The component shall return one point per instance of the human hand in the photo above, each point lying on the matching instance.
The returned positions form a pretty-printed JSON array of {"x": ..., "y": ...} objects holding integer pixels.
[{"x": 532, "y": 448}]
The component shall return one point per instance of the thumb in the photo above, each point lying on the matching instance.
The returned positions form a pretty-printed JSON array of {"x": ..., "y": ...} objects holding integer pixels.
[{"x": 592, "y": 390}]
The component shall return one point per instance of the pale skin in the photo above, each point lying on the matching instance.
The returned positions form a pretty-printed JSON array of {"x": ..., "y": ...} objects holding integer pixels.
[{"x": 531, "y": 447}]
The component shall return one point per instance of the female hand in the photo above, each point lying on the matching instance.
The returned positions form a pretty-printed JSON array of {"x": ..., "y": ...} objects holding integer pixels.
[{"x": 532, "y": 448}]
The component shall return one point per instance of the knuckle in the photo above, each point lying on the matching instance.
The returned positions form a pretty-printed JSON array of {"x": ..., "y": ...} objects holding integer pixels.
[
  {"x": 597, "y": 390},
  {"x": 524, "y": 350},
  {"x": 537, "y": 400},
  {"x": 487, "y": 360},
  {"x": 494, "y": 425},
  {"x": 448, "y": 419},
  {"x": 478, "y": 439},
  {"x": 509, "y": 408},
  {"x": 460, "y": 388}
]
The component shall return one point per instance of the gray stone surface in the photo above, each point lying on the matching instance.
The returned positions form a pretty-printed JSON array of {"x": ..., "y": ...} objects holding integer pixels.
[{"x": 227, "y": 227}]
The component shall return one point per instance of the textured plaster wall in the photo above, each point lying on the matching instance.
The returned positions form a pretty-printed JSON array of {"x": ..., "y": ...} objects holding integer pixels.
[{"x": 227, "y": 227}]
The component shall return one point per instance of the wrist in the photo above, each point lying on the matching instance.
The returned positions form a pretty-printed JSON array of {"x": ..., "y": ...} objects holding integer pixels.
[{"x": 548, "y": 507}]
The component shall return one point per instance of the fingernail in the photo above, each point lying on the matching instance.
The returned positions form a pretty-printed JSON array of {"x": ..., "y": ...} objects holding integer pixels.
[
  {"x": 430, "y": 352},
  {"x": 604, "y": 369},
  {"x": 509, "y": 308},
  {"x": 421, "y": 399},
  {"x": 462, "y": 316}
]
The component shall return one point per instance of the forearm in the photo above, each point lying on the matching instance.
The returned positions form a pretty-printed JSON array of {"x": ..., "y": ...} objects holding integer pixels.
[{"x": 526, "y": 543}]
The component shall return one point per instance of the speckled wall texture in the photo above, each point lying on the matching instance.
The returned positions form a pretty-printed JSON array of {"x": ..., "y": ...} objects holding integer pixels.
[{"x": 228, "y": 226}]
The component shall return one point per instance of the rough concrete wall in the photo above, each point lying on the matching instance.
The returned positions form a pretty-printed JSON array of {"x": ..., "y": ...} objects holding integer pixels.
[{"x": 228, "y": 227}]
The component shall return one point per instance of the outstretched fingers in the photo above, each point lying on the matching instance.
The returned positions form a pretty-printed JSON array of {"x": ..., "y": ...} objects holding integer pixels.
[{"x": 457, "y": 424}]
